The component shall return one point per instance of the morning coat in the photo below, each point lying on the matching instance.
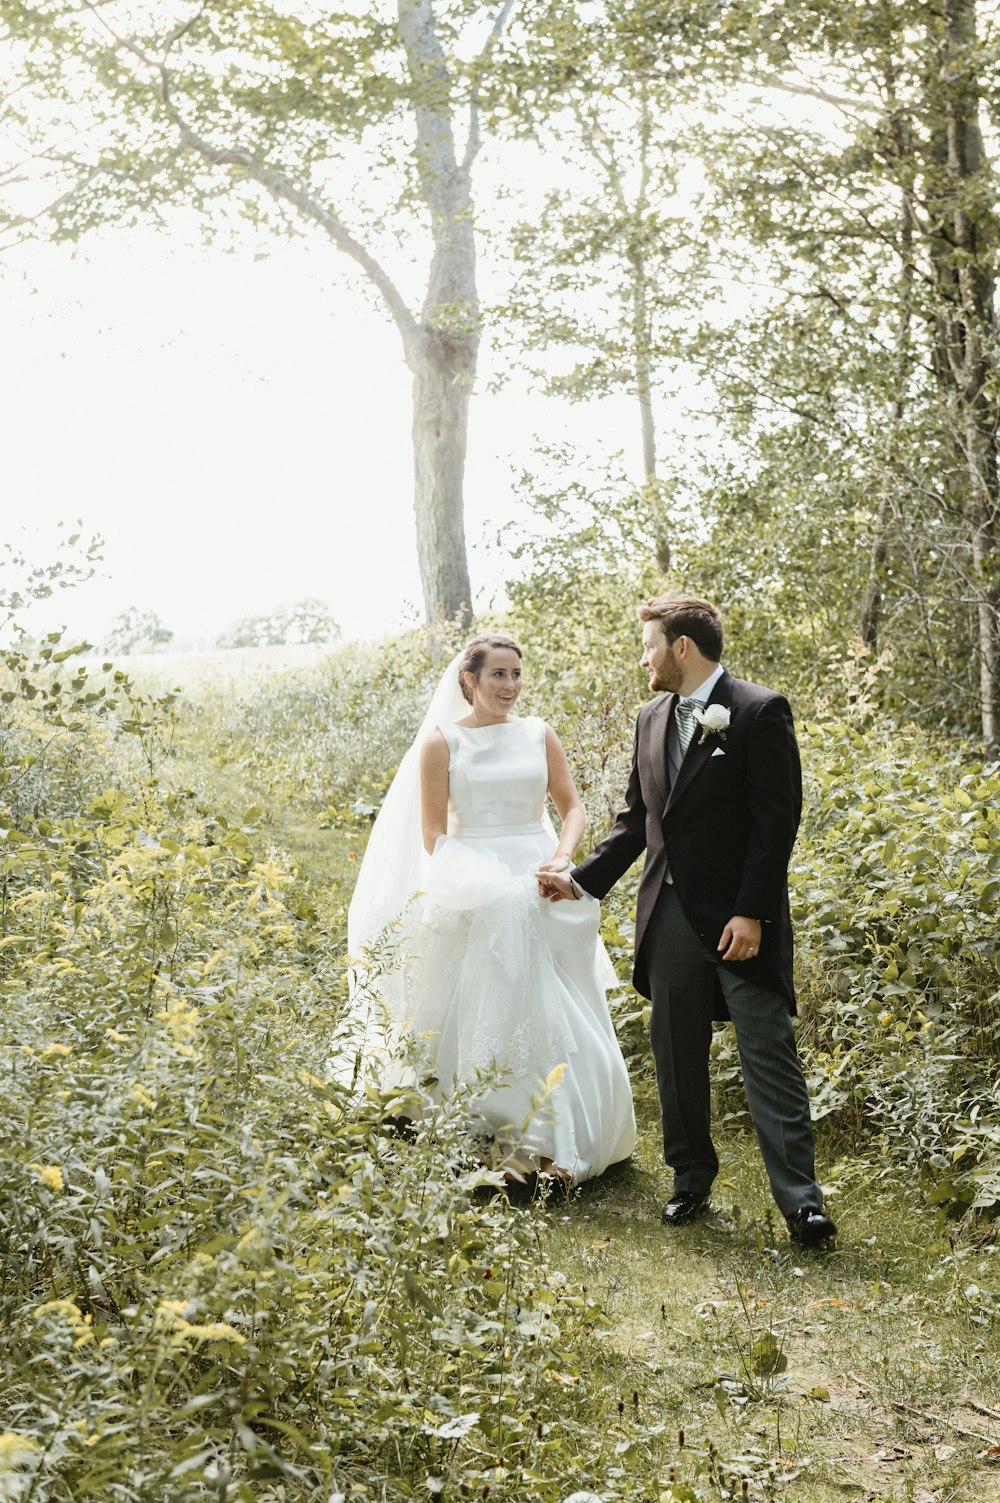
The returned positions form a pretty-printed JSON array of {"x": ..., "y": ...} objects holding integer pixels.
[{"x": 726, "y": 828}]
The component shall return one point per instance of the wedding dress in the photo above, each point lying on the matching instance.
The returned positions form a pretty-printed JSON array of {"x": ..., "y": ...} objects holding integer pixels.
[{"x": 501, "y": 987}]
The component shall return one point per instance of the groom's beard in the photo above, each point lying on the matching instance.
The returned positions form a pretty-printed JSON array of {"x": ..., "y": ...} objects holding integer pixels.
[{"x": 662, "y": 681}]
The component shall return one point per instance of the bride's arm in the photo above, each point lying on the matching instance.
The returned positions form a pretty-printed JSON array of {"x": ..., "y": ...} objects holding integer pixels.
[
  {"x": 562, "y": 792},
  {"x": 434, "y": 759}
]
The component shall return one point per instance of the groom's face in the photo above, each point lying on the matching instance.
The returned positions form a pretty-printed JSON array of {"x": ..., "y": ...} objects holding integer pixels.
[{"x": 659, "y": 658}]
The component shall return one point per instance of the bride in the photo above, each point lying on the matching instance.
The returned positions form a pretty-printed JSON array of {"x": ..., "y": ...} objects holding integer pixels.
[{"x": 493, "y": 981}]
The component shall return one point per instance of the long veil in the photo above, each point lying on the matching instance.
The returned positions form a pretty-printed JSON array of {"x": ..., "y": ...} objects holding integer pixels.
[{"x": 391, "y": 870}]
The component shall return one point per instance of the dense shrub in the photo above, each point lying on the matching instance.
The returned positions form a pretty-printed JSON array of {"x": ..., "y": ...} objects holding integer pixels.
[{"x": 896, "y": 896}]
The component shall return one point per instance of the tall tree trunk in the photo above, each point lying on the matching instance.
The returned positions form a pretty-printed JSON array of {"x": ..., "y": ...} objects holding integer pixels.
[
  {"x": 442, "y": 356},
  {"x": 966, "y": 332},
  {"x": 872, "y": 601},
  {"x": 644, "y": 393},
  {"x": 641, "y": 329},
  {"x": 441, "y": 392}
]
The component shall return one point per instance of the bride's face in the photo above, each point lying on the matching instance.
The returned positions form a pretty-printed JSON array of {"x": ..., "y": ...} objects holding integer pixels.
[{"x": 495, "y": 691}]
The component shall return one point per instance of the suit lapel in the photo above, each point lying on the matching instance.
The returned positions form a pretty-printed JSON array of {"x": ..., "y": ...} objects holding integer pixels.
[
  {"x": 660, "y": 723},
  {"x": 699, "y": 750},
  {"x": 659, "y": 765}
]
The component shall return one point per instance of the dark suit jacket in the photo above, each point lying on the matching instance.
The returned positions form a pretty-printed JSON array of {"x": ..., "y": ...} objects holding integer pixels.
[{"x": 726, "y": 828}]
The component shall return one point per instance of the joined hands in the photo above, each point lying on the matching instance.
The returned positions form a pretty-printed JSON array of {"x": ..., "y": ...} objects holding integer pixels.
[
  {"x": 553, "y": 881},
  {"x": 740, "y": 938}
]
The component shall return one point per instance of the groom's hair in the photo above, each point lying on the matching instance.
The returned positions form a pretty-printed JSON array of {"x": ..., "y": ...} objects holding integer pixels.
[{"x": 687, "y": 616}]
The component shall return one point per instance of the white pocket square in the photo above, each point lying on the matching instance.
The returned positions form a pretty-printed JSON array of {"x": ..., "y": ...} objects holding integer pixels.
[{"x": 718, "y": 752}]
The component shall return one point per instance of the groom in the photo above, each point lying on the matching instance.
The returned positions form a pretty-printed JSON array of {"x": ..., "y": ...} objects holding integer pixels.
[{"x": 714, "y": 799}]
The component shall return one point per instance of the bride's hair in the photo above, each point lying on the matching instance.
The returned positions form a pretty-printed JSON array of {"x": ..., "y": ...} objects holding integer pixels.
[{"x": 474, "y": 656}]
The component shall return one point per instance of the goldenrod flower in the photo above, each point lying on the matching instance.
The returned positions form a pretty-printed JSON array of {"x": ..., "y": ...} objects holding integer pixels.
[
  {"x": 180, "y": 1020},
  {"x": 170, "y": 1316},
  {"x": 81, "y": 1326},
  {"x": 49, "y": 1174},
  {"x": 15, "y": 1452},
  {"x": 140, "y": 1094},
  {"x": 14, "y": 1447},
  {"x": 55, "y": 1049}
]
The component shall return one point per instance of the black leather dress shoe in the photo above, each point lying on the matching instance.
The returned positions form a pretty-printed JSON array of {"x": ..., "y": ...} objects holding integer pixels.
[
  {"x": 810, "y": 1227},
  {"x": 684, "y": 1206}
]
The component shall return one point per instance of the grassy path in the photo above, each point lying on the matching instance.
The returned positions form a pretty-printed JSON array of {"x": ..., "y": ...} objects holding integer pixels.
[
  {"x": 868, "y": 1373},
  {"x": 859, "y": 1372}
]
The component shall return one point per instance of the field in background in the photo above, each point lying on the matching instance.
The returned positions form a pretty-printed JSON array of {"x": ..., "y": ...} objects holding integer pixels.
[{"x": 224, "y": 667}]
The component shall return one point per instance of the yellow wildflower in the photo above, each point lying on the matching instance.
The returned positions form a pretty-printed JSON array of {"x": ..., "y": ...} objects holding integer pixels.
[
  {"x": 170, "y": 1309},
  {"x": 27, "y": 1049},
  {"x": 269, "y": 875},
  {"x": 144, "y": 1098},
  {"x": 554, "y": 1077},
  {"x": 81, "y": 1326},
  {"x": 15, "y": 1451},
  {"x": 170, "y": 1316},
  {"x": 55, "y": 1049},
  {"x": 49, "y": 1174},
  {"x": 181, "y": 1020},
  {"x": 216, "y": 1330},
  {"x": 118, "y": 1038},
  {"x": 886, "y": 1017}
]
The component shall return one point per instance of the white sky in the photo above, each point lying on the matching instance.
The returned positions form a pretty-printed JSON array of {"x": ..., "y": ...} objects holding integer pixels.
[{"x": 237, "y": 429}]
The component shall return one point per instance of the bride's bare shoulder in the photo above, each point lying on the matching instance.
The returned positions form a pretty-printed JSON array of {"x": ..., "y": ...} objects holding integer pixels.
[{"x": 435, "y": 747}]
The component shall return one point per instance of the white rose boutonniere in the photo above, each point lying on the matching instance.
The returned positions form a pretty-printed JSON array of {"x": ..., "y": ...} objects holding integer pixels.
[{"x": 714, "y": 721}]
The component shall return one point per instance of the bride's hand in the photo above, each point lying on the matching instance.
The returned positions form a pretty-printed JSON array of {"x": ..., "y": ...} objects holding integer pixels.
[
  {"x": 556, "y": 886},
  {"x": 557, "y": 864}
]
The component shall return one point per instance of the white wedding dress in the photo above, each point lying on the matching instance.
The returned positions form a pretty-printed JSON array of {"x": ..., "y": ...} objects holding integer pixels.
[{"x": 496, "y": 979}]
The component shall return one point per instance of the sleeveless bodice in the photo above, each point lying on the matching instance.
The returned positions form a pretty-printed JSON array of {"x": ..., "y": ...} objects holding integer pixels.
[{"x": 497, "y": 778}]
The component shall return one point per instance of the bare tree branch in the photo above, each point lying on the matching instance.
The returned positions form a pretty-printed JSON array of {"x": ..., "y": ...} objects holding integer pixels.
[
  {"x": 277, "y": 183},
  {"x": 474, "y": 141},
  {"x": 847, "y": 105}
]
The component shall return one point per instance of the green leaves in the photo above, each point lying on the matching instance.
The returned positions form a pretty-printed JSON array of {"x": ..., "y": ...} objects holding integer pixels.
[{"x": 895, "y": 883}]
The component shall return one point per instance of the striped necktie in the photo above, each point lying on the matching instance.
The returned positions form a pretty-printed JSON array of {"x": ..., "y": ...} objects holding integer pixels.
[{"x": 684, "y": 714}]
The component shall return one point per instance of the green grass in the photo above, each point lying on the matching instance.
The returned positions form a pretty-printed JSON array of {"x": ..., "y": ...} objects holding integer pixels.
[{"x": 882, "y": 1379}]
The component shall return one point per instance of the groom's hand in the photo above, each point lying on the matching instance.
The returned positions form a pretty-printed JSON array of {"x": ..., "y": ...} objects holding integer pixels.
[
  {"x": 554, "y": 884},
  {"x": 740, "y": 939}
]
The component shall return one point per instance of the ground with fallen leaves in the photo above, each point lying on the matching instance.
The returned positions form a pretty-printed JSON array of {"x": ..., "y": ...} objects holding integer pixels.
[{"x": 871, "y": 1371}]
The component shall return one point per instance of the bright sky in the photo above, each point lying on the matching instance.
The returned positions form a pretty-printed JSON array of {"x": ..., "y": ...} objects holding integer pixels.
[{"x": 236, "y": 426}]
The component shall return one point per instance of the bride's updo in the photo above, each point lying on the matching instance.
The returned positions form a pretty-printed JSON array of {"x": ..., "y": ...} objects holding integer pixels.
[{"x": 474, "y": 657}]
